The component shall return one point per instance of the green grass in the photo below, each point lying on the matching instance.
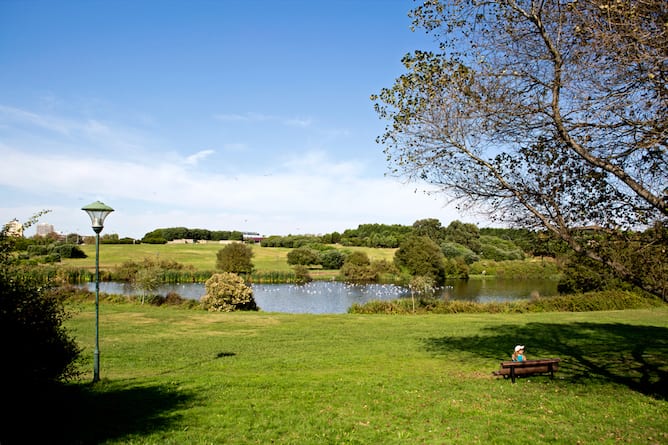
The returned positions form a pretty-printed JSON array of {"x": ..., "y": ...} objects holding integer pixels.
[
  {"x": 173, "y": 376},
  {"x": 200, "y": 256}
]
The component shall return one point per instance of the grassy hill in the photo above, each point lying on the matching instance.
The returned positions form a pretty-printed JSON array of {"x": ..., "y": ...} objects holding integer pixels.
[{"x": 200, "y": 256}]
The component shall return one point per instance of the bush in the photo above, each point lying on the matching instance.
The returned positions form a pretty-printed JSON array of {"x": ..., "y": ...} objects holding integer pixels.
[
  {"x": 453, "y": 250},
  {"x": 332, "y": 259},
  {"x": 498, "y": 249},
  {"x": 227, "y": 292},
  {"x": 69, "y": 251},
  {"x": 516, "y": 269},
  {"x": 456, "y": 268},
  {"x": 36, "y": 347},
  {"x": 419, "y": 255},
  {"x": 301, "y": 274},
  {"x": 235, "y": 258},
  {"x": 357, "y": 269},
  {"x": 303, "y": 256}
]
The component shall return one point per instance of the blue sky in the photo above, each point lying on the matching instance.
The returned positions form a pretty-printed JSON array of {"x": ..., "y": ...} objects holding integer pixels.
[{"x": 224, "y": 115}]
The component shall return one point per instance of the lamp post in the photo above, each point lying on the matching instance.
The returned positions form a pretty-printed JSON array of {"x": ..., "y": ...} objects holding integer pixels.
[{"x": 98, "y": 212}]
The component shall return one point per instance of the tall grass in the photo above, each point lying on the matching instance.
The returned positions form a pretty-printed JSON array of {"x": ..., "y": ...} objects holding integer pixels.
[{"x": 587, "y": 302}]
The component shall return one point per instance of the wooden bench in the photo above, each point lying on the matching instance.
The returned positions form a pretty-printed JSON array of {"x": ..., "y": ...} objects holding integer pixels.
[{"x": 528, "y": 367}]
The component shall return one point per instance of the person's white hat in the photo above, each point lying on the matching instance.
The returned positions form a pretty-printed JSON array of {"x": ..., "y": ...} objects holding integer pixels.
[{"x": 518, "y": 348}]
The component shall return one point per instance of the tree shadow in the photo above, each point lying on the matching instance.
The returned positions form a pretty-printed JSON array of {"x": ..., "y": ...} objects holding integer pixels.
[
  {"x": 634, "y": 356},
  {"x": 80, "y": 414}
]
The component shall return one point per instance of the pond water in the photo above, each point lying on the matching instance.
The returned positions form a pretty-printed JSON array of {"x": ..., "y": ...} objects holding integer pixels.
[{"x": 333, "y": 297}]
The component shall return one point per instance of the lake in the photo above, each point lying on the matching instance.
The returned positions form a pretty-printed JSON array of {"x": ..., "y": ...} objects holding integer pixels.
[{"x": 334, "y": 297}]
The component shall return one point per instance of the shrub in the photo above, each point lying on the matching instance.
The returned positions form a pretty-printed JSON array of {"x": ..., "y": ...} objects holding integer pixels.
[
  {"x": 36, "y": 347},
  {"x": 453, "y": 250},
  {"x": 69, "y": 251},
  {"x": 495, "y": 248},
  {"x": 357, "y": 269},
  {"x": 456, "y": 268},
  {"x": 235, "y": 258},
  {"x": 227, "y": 292},
  {"x": 301, "y": 274},
  {"x": 303, "y": 256},
  {"x": 419, "y": 255},
  {"x": 332, "y": 259}
]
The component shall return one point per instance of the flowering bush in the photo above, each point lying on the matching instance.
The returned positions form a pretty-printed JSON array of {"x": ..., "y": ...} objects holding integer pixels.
[{"x": 227, "y": 292}]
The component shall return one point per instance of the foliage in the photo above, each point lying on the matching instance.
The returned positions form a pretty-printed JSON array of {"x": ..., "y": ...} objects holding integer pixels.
[
  {"x": 586, "y": 302},
  {"x": 160, "y": 236},
  {"x": 273, "y": 277},
  {"x": 466, "y": 234},
  {"x": 303, "y": 256},
  {"x": 36, "y": 347},
  {"x": 227, "y": 292},
  {"x": 431, "y": 228},
  {"x": 235, "y": 258},
  {"x": 147, "y": 280},
  {"x": 332, "y": 259},
  {"x": 453, "y": 250},
  {"x": 497, "y": 249},
  {"x": 291, "y": 241},
  {"x": 357, "y": 269},
  {"x": 151, "y": 238},
  {"x": 420, "y": 255},
  {"x": 165, "y": 271},
  {"x": 375, "y": 235},
  {"x": 546, "y": 115},
  {"x": 456, "y": 268},
  {"x": 516, "y": 269},
  {"x": 420, "y": 285},
  {"x": 52, "y": 252},
  {"x": 301, "y": 274},
  {"x": 386, "y": 271}
]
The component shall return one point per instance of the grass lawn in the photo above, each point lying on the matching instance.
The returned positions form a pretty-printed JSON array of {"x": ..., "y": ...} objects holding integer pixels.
[
  {"x": 174, "y": 376},
  {"x": 200, "y": 256}
]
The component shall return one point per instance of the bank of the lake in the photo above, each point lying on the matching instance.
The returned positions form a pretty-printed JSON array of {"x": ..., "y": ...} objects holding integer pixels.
[{"x": 332, "y": 297}]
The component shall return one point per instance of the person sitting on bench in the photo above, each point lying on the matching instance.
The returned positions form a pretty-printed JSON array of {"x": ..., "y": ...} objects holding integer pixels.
[{"x": 518, "y": 355}]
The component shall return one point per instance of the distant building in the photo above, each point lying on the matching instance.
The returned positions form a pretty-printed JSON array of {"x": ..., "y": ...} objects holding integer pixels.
[
  {"x": 182, "y": 241},
  {"x": 14, "y": 228},
  {"x": 252, "y": 236},
  {"x": 44, "y": 229}
]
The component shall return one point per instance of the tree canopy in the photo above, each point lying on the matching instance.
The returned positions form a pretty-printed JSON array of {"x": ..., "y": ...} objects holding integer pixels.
[
  {"x": 544, "y": 114},
  {"x": 235, "y": 258}
]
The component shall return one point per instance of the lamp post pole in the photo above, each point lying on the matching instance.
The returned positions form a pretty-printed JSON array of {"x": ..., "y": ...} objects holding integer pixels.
[
  {"x": 97, "y": 212},
  {"x": 96, "y": 353}
]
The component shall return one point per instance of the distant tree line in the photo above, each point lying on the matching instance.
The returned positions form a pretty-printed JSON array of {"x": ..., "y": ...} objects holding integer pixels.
[
  {"x": 162, "y": 236},
  {"x": 458, "y": 239}
]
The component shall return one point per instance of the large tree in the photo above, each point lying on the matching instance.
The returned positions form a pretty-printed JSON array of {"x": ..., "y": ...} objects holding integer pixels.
[{"x": 544, "y": 114}]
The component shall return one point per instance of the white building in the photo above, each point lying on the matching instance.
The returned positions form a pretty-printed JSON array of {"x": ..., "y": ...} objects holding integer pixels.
[
  {"x": 44, "y": 229},
  {"x": 14, "y": 228}
]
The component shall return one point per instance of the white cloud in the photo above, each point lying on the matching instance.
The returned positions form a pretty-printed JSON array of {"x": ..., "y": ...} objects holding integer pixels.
[
  {"x": 314, "y": 199},
  {"x": 194, "y": 159},
  {"x": 150, "y": 187}
]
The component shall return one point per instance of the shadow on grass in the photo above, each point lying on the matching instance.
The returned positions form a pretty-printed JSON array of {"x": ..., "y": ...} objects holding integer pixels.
[
  {"x": 75, "y": 414},
  {"x": 634, "y": 356}
]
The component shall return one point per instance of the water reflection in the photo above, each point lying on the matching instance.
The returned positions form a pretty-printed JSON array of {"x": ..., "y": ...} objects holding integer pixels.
[{"x": 333, "y": 297}]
